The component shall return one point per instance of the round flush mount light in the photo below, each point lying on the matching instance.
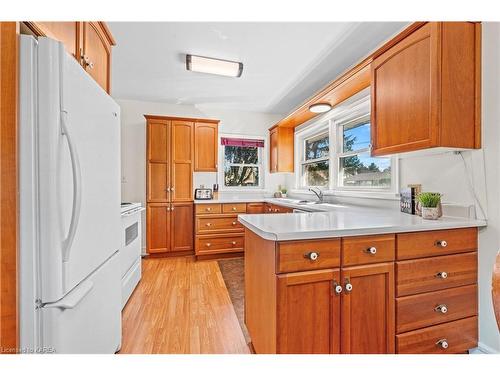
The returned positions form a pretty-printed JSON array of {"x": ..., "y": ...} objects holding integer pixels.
[{"x": 320, "y": 107}]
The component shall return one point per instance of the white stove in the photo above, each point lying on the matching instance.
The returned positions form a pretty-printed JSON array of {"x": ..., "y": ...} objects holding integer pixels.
[{"x": 130, "y": 251}]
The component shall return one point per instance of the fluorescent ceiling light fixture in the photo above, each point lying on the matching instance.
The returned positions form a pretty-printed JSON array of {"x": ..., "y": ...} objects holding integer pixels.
[
  {"x": 320, "y": 107},
  {"x": 213, "y": 66}
]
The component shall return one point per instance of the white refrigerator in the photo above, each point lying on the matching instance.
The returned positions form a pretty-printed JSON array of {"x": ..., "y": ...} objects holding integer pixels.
[{"x": 70, "y": 229}]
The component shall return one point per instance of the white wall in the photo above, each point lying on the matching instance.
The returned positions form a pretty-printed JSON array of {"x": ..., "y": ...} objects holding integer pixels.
[{"x": 134, "y": 142}]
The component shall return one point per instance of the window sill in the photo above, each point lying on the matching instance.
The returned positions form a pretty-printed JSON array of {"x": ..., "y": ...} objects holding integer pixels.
[
  {"x": 243, "y": 190},
  {"x": 388, "y": 195}
]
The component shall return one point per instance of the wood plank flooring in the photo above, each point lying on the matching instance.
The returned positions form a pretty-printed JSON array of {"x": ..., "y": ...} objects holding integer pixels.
[{"x": 181, "y": 307}]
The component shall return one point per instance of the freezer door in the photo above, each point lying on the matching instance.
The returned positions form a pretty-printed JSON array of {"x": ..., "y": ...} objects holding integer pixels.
[
  {"x": 88, "y": 319},
  {"x": 79, "y": 172}
]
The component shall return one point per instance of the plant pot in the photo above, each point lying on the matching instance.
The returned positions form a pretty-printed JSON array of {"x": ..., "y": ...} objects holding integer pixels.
[
  {"x": 430, "y": 213},
  {"x": 283, "y": 195}
]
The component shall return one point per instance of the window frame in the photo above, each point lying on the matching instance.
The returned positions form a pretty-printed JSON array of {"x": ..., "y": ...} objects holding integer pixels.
[
  {"x": 304, "y": 161},
  {"x": 353, "y": 109},
  {"x": 261, "y": 154}
]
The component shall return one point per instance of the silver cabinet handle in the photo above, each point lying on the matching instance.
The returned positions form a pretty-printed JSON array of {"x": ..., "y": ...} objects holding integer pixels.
[
  {"x": 442, "y": 275},
  {"x": 443, "y": 344},
  {"x": 172, "y": 188},
  {"x": 168, "y": 208},
  {"x": 172, "y": 209},
  {"x": 233, "y": 243},
  {"x": 442, "y": 243},
  {"x": 443, "y": 309},
  {"x": 312, "y": 255},
  {"x": 337, "y": 288},
  {"x": 208, "y": 224},
  {"x": 234, "y": 223},
  {"x": 348, "y": 285},
  {"x": 372, "y": 250},
  {"x": 208, "y": 244}
]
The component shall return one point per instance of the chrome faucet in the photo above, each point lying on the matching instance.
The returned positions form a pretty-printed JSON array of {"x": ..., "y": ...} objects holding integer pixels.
[{"x": 318, "y": 193}]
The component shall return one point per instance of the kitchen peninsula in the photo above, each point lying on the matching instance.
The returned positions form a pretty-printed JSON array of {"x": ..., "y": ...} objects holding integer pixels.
[{"x": 360, "y": 280}]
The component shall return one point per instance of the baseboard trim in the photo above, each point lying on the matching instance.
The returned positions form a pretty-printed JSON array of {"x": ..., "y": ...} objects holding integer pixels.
[{"x": 483, "y": 349}]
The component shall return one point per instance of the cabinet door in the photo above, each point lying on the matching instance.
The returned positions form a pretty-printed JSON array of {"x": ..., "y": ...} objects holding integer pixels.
[
  {"x": 182, "y": 161},
  {"x": 182, "y": 226},
  {"x": 66, "y": 32},
  {"x": 158, "y": 228},
  {"x": 96, "y": 54},
  {"x": 308, "y": 313},
  {"x": 273, "y": 150},
  {"x": 368, "y": 322},
  {"x": 158, "y": 163},
  {"x": 206, "y": 147},
  {"x": 405, "y": 94}
]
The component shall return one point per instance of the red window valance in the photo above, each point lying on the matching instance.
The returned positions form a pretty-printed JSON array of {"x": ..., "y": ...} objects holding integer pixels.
[{"x": 242, "y": 142}]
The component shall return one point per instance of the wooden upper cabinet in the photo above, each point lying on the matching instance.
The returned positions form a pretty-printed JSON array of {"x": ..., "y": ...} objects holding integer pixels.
[
  {"x": 281, "y": 149},
  {"x": 66, "y": 32},
  {"x": 182, "y": 161},
  {"x": 308, "y": 315},
  {"x": 368, "y": 312},
  {"x": 425, "y": 89},
  {"x": 96, "y": 53},
  {"x": 89, "y": 42},
  {"x": 206, "y": 140}
]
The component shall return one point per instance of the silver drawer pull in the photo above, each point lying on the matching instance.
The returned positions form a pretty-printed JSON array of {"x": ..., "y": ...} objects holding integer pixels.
[
  {"x": 442, "y": 243},
  {"x": 348, "y": 285},
  {"x": 443, "y": 309},
  {"x": 208, "y": 224},
  {"x": 234, "y": 223},
  {"x": 442, "y": 275},
  {"x": 312, "y": 255},
  {"x": 208, "y": 244},
  {"x": 443, "y": 344},
  {"x": 233, "y": 243},
  {"x": 372, "y": 250}
]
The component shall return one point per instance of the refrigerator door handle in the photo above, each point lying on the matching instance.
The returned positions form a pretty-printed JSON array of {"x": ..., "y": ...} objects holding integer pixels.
[
  {"x": 77, "y": 190},
  {"x": 74, "y": 297}
]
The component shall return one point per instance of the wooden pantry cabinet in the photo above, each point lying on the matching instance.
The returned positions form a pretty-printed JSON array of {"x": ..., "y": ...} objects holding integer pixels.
[
  {"x": 355, "y": 295},
  {"x": 426, "y": 89},
  {"x": 89, "y": 42},
  {"x": 169, "y": 184}
]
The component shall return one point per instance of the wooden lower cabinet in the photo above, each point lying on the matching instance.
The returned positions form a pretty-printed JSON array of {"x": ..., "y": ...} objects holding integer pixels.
[
  {"x": 367, "y": 316},
  {"x": 307, "y": 300},
  {"x": 169, "y": 227},
  {"x": 298, "y": 303}
]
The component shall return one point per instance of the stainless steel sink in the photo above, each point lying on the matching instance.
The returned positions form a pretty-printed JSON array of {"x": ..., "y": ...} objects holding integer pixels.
[{"x": 308, "y": 202}]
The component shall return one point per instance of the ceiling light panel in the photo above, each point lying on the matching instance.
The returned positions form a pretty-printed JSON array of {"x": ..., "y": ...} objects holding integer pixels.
[{"x": 214, "y": 66}]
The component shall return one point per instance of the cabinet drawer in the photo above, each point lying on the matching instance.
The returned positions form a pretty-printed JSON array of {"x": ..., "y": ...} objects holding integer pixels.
[
  {"x": 429, "y": 274},
  {"x": 220, "y": 244},
  {"x": 207, "y": 209},
  {"x": 255, "y": 208},
  {"x": 296, "y": 256},
  {"x": 230, "y": 208},
  {"x": 422, "y": 310},
  {"x": 459, "y": 335},
  {"x": 434, "y": 243},
  {"x": 218, "y": 224},
  {"x": 368, "y": 249}
]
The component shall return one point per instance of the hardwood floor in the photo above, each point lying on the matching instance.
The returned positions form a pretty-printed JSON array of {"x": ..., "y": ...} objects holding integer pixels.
[{"x": 182, "y": 307}]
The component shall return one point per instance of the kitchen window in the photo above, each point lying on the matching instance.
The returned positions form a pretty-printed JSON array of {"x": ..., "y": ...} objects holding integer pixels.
[
  {"x": 333, "y": 153},
  {"x": 315, "y": 167},
  {"x": 242, "y": 160}
]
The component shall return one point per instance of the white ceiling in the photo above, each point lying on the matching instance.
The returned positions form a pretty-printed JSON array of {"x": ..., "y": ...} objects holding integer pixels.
[{"x": 284, "y": 63}]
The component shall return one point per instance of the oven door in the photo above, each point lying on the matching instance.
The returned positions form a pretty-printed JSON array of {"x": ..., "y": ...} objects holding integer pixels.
[{"x": 131, "y": 240}]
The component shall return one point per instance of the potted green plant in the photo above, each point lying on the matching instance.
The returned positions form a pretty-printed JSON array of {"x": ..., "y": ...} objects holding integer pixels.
[
  {"x": 283, "y": 192},
  {"x": 430, "y": 205}
]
